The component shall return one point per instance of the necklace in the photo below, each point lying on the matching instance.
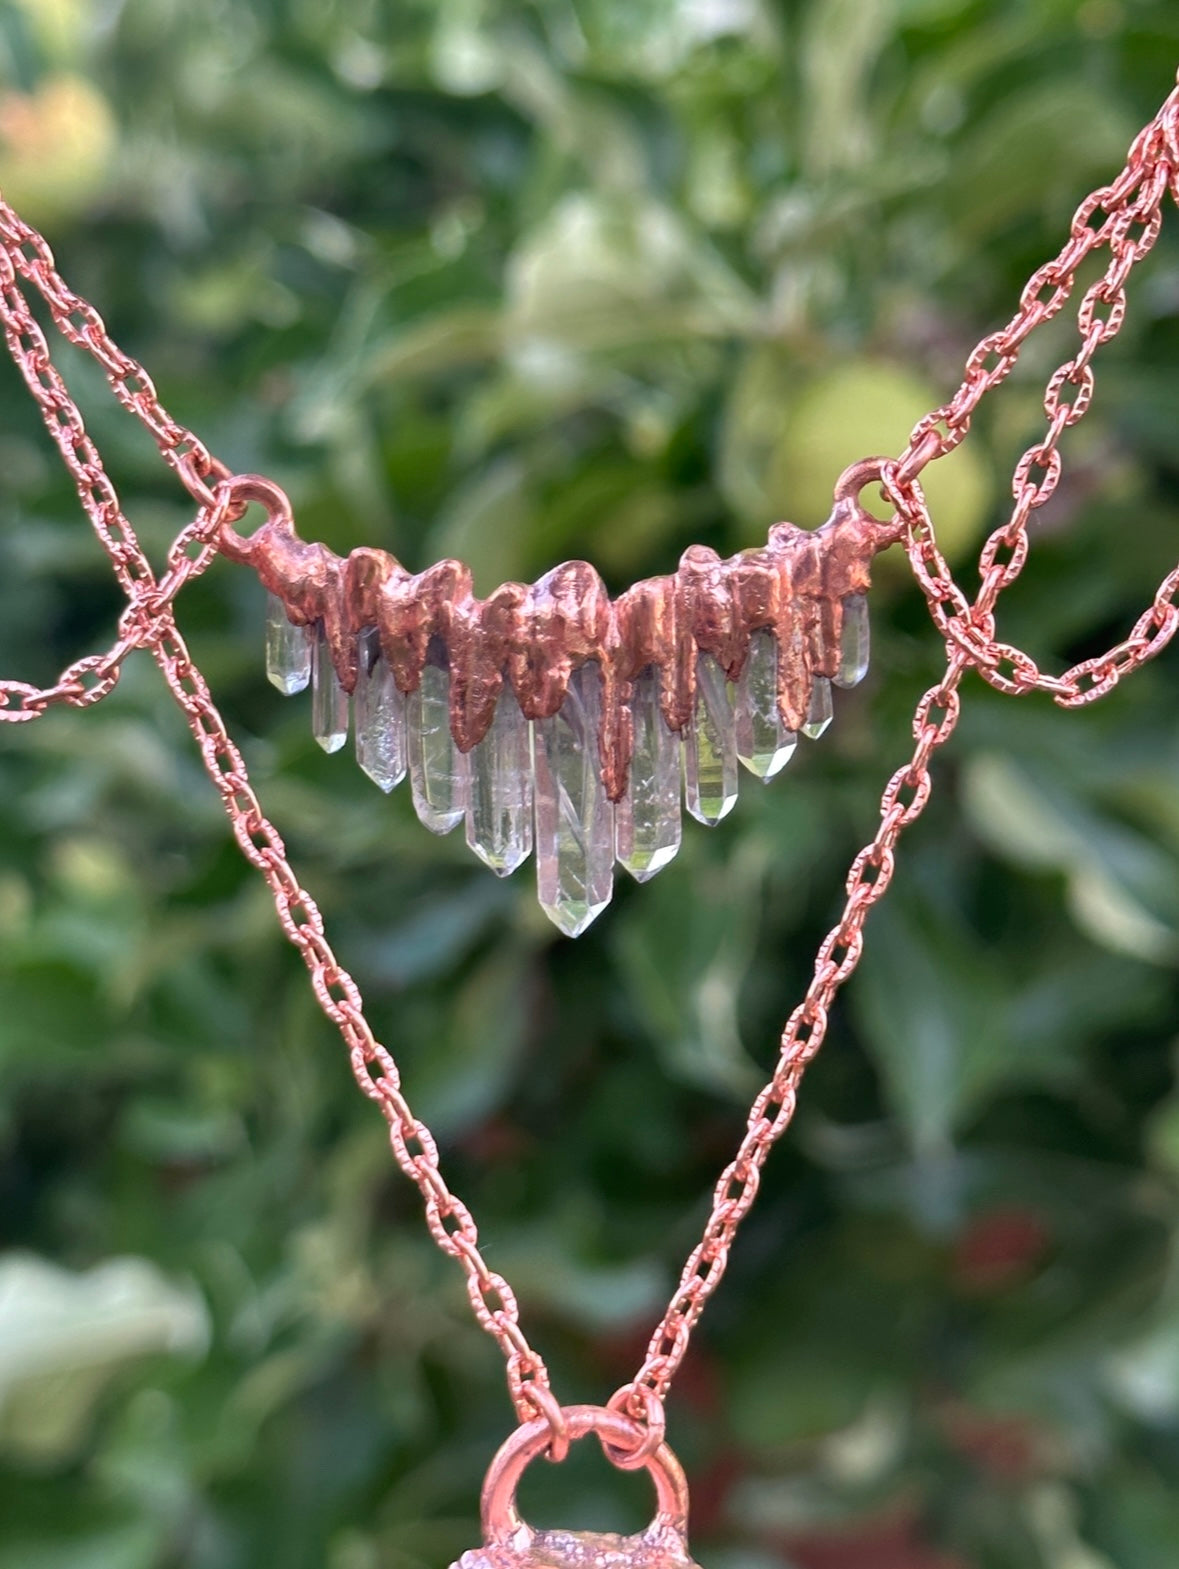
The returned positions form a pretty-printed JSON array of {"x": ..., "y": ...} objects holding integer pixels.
[{"x": 380, "y": 631}]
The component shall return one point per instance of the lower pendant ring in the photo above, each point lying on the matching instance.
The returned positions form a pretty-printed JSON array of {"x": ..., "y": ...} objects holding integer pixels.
[{"x": 616, "y": 1432}]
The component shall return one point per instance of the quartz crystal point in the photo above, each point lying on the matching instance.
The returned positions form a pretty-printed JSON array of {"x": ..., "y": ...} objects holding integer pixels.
[
  {"x": 329, "y": 701},
  {"x": 853, "y": 641},
  {"x": 647, "y": 821},
  {"x": 819, "y": 713},
  {"x": 380, "y": 716},
  {"x": 710, "y": 746},
  {"x": 288, "y": 649},
  {"x": 574, "y": 817},
  {"x": 499, "y": 798},
  {"x": 764, "y": 744},
  {"x": 437, "y": 769}
]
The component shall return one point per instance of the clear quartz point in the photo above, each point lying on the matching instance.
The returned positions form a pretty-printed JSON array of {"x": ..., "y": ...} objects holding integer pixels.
[
  {"x": 647, "y": 822},
  {"x": 819, "y": 714},
  {"x": 329, "y": 701},
  {"x": 764, "y": 744},
  {"x": 288, "y": 650},
  {"x": 380, "y": 716},
  {"x": 854, "y": 641},
  {"x": 574, "y": 817},
  {"x": 437, "y": 769},
  {"x": 499, "y": 798},
  {"x": 710, "y": 746}
]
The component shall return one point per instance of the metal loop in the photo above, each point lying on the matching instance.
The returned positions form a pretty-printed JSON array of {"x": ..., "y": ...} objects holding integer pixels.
[
  {"x": 240, "y": 489},
  {"x": 541, "y": 1397},
  {"x": 501, "y": 1518},
  {"x": 855, "y": 479},
  {"x": 195, "y": 468},
  {"x": 651, "y": 1426},
  {"x": 857, "y": 476}
]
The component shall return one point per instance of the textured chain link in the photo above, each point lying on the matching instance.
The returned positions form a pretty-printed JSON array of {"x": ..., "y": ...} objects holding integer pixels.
[{"x": 1122, "y": 218}]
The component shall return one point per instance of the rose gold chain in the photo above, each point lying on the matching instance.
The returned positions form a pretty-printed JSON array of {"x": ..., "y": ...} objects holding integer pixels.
[
  {"x": 1129, "y": 214},
  {"x": 148, "y": 622},
  {"x": 1123, "y": 218},
  {"x": 29, "y": 256},
  {"x": 1131, "y": 209}
]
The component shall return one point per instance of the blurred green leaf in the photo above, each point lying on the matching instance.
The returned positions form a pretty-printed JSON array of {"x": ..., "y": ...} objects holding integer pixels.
[
  {"x": 934, "y": 1008},
  {"x": 1121, "y": 886},
  {"x": 63, "y": 1337},
  {"x": 684, "y": 966}
]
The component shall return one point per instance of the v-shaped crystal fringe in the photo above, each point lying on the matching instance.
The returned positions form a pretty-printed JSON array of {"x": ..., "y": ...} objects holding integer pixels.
[{"x": 548, "y": 775}]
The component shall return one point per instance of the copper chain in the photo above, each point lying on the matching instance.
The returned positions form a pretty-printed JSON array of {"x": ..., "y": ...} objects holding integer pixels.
[
  {"x": 1130, "y": 217},
  {"x": 148, "y": 622},
  {"x": 1122, "y": 218}
]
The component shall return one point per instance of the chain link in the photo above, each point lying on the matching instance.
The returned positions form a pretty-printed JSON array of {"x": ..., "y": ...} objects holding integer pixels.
[{"x": 1123, "y": 218}]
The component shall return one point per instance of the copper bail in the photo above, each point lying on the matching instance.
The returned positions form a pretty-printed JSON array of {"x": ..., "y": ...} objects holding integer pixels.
[{"x": 502, "y": 1524}]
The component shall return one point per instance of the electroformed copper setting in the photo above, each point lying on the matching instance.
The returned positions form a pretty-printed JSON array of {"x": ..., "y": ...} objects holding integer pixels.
[{"x": 535, "y": 637}]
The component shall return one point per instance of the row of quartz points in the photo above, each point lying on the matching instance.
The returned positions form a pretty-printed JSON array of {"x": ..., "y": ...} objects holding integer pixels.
[{"x": 540, "y": 783}]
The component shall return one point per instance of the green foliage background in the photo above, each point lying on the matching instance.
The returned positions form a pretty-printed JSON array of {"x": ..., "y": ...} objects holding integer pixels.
[{"x": 524, "y": 282}]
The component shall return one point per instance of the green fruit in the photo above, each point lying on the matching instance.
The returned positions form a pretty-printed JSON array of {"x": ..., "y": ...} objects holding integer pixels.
[
  {"x": 56, "y": 146},
  {"x": 858, "y": 409}
]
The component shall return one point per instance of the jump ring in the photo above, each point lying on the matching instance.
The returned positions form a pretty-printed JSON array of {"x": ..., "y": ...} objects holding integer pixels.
[
  {"x": 236, "y": 491},
  {"x": 858, "y": 475},
  {"x": 651, "y": 1426},
  {"x": 545, "y": 1403}
]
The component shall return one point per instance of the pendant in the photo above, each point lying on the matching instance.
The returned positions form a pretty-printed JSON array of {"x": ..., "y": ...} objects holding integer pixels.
[
  {"x": 510, "y": 1543},
  {"x": 553, "y": 718}
]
